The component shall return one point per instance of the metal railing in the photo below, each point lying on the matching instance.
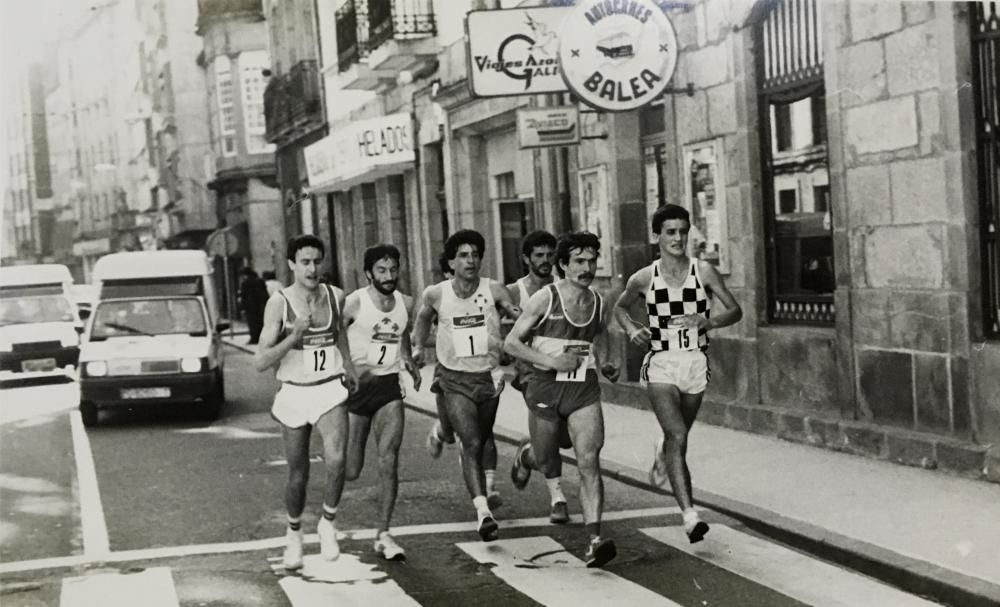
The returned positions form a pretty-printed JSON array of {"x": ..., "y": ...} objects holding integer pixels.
[
  {"x": 400, "y": 19},
  {"x": 292, "y": 100},
  {"x": 985, "y": 20}
]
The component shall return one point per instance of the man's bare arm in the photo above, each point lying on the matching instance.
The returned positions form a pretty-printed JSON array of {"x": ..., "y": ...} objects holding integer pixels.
[{"x": 270, "y": 351}]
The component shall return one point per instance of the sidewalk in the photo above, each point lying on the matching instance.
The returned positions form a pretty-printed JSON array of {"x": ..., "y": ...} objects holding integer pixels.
[{"x": 927, "y": 532}]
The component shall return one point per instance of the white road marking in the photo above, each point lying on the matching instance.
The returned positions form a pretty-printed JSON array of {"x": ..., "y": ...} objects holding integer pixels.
[
  {"x": 794, "y": 574},
  {"x": 155, "y": 586},
  {"x": 95, "y": 529},
  {"x": 230, "y": 432},
  {"x": 279, "y": 542},
  {"x": 542, "y": 569},
  {"x": 345, "y": 582}
]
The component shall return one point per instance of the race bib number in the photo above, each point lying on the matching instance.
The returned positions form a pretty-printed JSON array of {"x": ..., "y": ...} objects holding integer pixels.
[
  {"x": 382, "y": 354},
  {"x": 318, "y": 354},
  {"x": 468, "y": 335},
  {"x": 578, "y": 374},
  {"x": 682, "y": 339}
]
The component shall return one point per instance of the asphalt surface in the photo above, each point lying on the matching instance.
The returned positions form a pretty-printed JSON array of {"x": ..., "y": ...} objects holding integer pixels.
[{"x": 170, "y": 481}]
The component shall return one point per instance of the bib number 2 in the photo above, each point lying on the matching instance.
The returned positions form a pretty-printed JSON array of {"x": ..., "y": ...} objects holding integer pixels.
[{"x": 382, "y": 354}]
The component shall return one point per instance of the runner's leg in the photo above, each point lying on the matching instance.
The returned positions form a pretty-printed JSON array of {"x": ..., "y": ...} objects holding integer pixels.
[
  {"x": 333, "y": 428},
  {"x": 544, "y": 453},
  {"x": 464, "y": 416},
  {"x": 296, "y": 441},
  {"x": 358, "y": 429},
  {"x": 666, "y": 400},
  {"x": 388, "y": 423},
  {"x": 690, "y": 404},
  {"x": 586, "y": 427}
]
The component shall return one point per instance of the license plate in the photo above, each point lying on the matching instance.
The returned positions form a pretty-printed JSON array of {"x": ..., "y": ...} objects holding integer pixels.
[
  {"x": 38, "y": 364},
  {"x": 146, "y": 393}
]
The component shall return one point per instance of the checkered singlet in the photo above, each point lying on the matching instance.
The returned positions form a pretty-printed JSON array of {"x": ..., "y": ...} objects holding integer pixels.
[{"x": 664, "y": 302}]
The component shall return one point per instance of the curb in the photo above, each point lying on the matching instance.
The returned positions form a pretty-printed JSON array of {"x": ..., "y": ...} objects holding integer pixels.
[{"x": 907, "y": 573}]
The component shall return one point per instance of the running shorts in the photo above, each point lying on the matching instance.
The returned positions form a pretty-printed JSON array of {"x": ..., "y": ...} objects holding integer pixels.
[
  {"x": 296, "y": 405},
  {"x": 556, "y": 400},
  {"x": 688, "y": 371},
  {"x": 479, "y": 386},
  {"x": 375, "y": 392}
]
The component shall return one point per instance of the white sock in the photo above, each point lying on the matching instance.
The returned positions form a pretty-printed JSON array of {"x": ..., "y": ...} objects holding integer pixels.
[
  {"x": 329, "y": 513},
  {"x": 691, "y": 516},
  {"x": 555, "y": 490},
  {"x": 482, "y": 509},
  {"x": 490, "y": 480}
]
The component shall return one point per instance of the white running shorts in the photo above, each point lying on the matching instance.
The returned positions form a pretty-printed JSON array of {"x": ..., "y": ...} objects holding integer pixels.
[
  {"x": 686, "y": 370},
  {"x": 296, "y": 406}
]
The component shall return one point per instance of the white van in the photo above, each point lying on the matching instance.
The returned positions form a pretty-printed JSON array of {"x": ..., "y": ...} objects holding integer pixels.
[
  {"x": 39, "y": 325},
  {"x": 154, "y": 334}
]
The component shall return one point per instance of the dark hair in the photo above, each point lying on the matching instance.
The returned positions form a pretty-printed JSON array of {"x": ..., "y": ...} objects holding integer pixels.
[
  {"x": 444, "y": 265},
  {"x": 575, "y": 240},
  {"x": 248, "y": 272},
  {"x": 538, "y": 238},
  {"x": 669, "y": 211},
  {"x": 269, "y": 276},
  {"x": 378, "y": 253},
  {"x": 470, "y": 237},
  {"x": 302, "y": 242}
]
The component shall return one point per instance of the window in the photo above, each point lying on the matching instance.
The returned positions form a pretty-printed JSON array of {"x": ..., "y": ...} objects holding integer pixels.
[
  {"x": 252, "y": 84},
  {"x": 227, "y": 109},
  {"x": 369, "y": 201},
  {"x": 654, "y": 178},
  {"x": 795, "y": 180},
  {"x": 503, "y": 186},
  {"x": 513, "y": 216},
  {"x": 986, "y": 61}
]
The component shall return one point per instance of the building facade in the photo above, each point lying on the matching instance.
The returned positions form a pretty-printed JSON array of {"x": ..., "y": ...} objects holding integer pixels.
[{"x": 839, "y": 160}]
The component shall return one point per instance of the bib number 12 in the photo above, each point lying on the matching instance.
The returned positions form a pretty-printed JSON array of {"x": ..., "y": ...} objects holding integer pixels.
[{"x": 319, "y": 360}]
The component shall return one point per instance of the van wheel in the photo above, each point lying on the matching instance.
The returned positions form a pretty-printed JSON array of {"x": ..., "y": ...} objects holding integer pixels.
[
  {"x": 213, "y": 404},
  {"x": 89, "y": 413}
]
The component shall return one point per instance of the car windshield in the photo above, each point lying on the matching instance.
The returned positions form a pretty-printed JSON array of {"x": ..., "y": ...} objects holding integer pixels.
[
  {"x": 32, "y": 309},
  {"x": 148, "y": 317}
]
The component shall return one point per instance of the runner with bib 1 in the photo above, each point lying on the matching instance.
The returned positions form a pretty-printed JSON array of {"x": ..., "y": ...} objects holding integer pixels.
[{"x": 469, "y": 336}]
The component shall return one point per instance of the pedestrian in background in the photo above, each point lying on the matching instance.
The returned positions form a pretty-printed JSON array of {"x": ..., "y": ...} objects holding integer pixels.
[
  {"x": 272, "y": 283},
  {"x": 253, "y": 298}
]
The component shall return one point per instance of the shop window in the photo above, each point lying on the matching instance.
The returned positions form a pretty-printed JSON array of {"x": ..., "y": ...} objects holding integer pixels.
[
  {"x": 654, "y": 159},
  {"x": 369, "y": 201},
  {"x": 227, "y": 109},
  {"x": 986, "y": 83},
  {"x": 793, "y": 136},
  {"x": 252, "y": 84}
]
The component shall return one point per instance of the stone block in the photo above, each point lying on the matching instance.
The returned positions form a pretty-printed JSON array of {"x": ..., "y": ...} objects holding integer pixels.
[
  {"x": 960, "y": 416},
  {"x": 919, "y": 191},
  {"x": 792, "y": 427},
  {"x": 728, "y": 359},
  {"x": 763, "y": 421},
  {"x": 841, "y": 260},
  {"x": 882, "y": 126},
  {"x": 984, "y": 360},
  {"x": 712, "y": 412},
  {"x": 708, "y": 66},
  {"x": 920, "y": 321},
  {"x": 692, "y": 120},
  {"x": 717, "y": 19},
  {"x": 856, "y": 240},
  {"x": 798, "y": 367},
  {"x": 685, "y": 24},
  {"x": 862, "y": 73},
  {"x": 958, "y": 312},
  {"x": 869, "y": 202},
  {"x": 911, "y": 450},
  {"x": 863, "y": 439},
  {"x": 932, "y": 390},
  {"x": 885, "y": 386},
  {"x": 993, "y": 464},
  {"x": 870, "y": 313},
  {"x": 963, "y": 458},
  {"x": 932, "y": 137},
  {"x": 911, "y": 56},
  {"x": 871, "y": 19},
  {"x": 917, "y": 12},
  {"x": 958, "y": 260},
  {"x": 905, "y": 257},
  {"x": 722, "y": 117},
  {"x": 823, "y": 433},
  {"x": 737, "y": 417}
]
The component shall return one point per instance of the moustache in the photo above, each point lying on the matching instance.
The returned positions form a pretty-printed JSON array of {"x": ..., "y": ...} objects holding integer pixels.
[{"x": 586, "y": 276}]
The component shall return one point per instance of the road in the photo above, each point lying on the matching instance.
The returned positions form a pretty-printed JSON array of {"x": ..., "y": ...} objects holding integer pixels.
[{"x": 154, "y": 507}]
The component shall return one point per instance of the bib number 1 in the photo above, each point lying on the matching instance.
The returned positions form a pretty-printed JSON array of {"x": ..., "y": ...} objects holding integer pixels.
[{"x": 469, "y": 336}]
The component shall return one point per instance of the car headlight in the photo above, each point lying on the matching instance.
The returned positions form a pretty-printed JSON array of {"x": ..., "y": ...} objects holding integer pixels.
[
  {"x": 96, "y": 368},
  {"x": 190, "y": 365}
]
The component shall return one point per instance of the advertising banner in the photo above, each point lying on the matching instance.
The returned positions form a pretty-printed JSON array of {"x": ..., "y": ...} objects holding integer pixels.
[
  {"x": 545, "y": 127},
  {"x": 358, "y": 148}
]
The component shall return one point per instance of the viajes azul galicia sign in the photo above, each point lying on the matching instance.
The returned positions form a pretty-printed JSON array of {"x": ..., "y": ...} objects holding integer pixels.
[{"x": 617, "y": 55}]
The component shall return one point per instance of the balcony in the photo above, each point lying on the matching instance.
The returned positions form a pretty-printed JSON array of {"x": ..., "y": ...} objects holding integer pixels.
[
  {"x": 217, "y": 11},
  {"x": 376, "y": 39},
  {"x": 292, "y": 103}
]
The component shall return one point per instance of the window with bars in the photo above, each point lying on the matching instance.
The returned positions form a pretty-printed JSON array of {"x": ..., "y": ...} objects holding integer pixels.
[
  {"x": 795, "y": 180},
  {"x": 985, "y": 20},
  {"x": 227, "y": 108},
  {"x": 252, "y": 84}
]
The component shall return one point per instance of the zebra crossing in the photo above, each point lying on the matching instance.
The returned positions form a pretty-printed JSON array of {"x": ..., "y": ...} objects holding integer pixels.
[{"x": 531, "y": 565}]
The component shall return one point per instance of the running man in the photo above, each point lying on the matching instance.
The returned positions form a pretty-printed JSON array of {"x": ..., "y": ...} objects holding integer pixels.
[
  {"x": 566, "y": 323},
  {"x": 378, "y": 324},
  {"x": 678, "y": 291},
  {"x": 468, "y": 347},
  {"x": 303, "y": 337}
]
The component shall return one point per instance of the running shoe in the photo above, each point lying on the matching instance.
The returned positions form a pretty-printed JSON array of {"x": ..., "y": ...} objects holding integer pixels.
[
  {"x": 292, "y": 558},
  {"x": 493, "y": 500},
  {"x": 434, "y": 443},
  {"x": 388, "y": 548},
  {"x": 488, "y": 528},
  {"x": 599, "y": 552},
  {"x": 694, "y": 527},
  {"x": 658, "y": 472},
  {"x": 559, "y": 514},
  {"x": 519, "y": 473},
  {"x": 328, "y": 545}
]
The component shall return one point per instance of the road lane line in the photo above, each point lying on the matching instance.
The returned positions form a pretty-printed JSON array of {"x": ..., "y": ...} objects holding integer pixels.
[
  {"x": 155, "y": 587},
  {"x": 95, "y": 530},
  {"x": 792, "y": 573},
  {"x": 346, "y": 582},
  {"x": 144, "y": 554},
  {"x": 542, "y": 569}
]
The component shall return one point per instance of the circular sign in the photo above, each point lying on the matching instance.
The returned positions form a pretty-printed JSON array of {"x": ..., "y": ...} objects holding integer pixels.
[
  {"x": 617, "y": 55},
  {"x": 223, "y": 243}
]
